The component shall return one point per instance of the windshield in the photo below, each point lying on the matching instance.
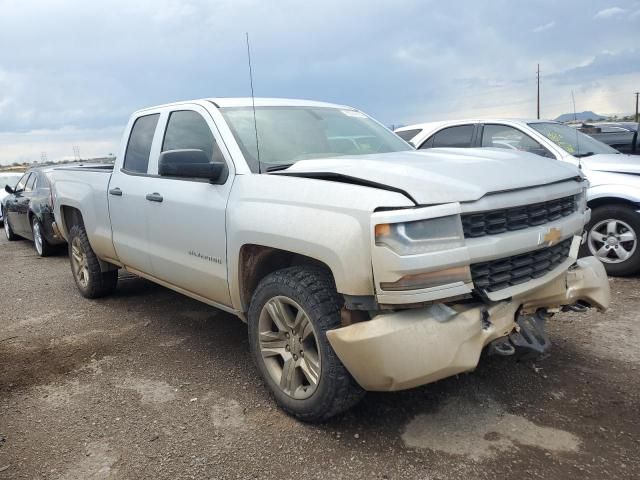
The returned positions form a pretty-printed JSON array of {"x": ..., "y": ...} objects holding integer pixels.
[
  {"x": 10, "y": 180},
  {"x": 571, "y": 140},
  {"x": 289, "y": 134}
]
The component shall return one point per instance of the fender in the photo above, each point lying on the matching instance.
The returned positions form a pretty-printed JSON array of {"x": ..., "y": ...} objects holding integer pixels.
[
  {"x": 85, "y": 198},
  {"x": 623, "y": 192},
  {"x": 324, "y": 220}
]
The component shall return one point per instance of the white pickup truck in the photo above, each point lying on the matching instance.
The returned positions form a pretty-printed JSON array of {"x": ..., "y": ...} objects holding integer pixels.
[{"x": 358, "y": 263}]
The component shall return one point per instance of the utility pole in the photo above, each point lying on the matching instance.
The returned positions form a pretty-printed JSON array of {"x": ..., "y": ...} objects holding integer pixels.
[
  {"x": 538, "y": 78},
  {"x": 637, "y": 117}
]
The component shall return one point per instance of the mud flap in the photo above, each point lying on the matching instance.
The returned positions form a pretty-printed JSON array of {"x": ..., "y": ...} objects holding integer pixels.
[{"x": 529, "y": 338}]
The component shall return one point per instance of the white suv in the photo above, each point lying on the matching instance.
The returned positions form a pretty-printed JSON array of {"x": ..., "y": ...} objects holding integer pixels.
[{"x": 614, "y": 195}]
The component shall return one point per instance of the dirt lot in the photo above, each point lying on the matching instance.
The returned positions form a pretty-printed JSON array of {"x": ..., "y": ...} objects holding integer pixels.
[{"x": 150, "y": 384}]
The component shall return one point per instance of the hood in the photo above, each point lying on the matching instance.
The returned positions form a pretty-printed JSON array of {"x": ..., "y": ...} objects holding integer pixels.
[
  {"x": 612, "y": 162},
  {"x": 440, "y": 175}
]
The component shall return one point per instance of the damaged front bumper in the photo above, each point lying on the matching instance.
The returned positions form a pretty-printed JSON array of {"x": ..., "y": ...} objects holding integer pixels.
[{"x": 408, "y": 348}]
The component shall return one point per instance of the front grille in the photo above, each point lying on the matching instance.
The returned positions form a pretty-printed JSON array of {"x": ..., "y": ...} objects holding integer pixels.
[
  {"x": 516, "y": 218},
  {"x": 506, "y": 272}
]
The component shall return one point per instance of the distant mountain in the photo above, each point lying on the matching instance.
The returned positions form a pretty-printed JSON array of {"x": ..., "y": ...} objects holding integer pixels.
[{"x": 580, "y": 116}]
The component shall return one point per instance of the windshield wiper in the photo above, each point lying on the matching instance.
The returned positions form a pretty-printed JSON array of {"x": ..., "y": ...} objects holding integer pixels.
[
  {"x": 582, "y": 155},
  {"x": 275, "y": 168}
]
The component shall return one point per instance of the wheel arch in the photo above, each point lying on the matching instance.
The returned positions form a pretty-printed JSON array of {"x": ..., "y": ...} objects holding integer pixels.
[
  {"x": 70, "y": 216},
  {"x": 255, "y": 262},
  {"x": 34, "y": 212},
  {"x": 612, "y": 201}
]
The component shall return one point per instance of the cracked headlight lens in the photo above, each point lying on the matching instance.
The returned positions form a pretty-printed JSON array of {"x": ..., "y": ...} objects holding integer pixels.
[
  {"x": 582, "y": 198},
  {"x": 421, "y": 236}
]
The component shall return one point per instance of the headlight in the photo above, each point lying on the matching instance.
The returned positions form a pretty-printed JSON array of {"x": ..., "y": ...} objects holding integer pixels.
[
  {"x": 430, "y": 279},
  {"x": 421, "y": 236},
  {"x": 582, "y": 199}
]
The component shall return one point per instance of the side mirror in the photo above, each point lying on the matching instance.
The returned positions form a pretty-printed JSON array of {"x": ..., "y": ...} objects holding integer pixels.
[
  {"x": 189, "y": 163},
  {"x": 8, "y": 189}
]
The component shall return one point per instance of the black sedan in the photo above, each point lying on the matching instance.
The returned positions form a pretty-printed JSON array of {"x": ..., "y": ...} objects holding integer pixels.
[{"x": 28, "y": 211}]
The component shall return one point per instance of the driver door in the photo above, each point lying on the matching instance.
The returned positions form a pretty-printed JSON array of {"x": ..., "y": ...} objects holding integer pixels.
[
  {"x": 187, "y": 217},
  {"x": 15, "y": 203}
]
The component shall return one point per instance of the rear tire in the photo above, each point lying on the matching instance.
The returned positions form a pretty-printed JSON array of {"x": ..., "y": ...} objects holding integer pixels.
[
  {"x": 612, "y": 237},
  {"x": 43, "y": 248},
  {"x": 290, "y": 313},
  {"x": 85, "y": 266},
  {"x": 7, "y": 228}
]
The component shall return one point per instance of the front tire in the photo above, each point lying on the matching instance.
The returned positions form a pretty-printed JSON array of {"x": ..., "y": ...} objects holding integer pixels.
[
  {"x": 7, "y": 228},
  {"x": 90, "y": 279},
  {"x": 612, "y": 237},
  {"x": 290, "y": 313},
  {"x": 43, "y": 248}
]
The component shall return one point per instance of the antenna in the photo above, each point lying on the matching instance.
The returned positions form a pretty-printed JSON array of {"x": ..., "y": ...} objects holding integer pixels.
[
  {"x": 538, "y": 97},
  {"x": 575, "y": 119},
  {"x": 253, "y": 101}
]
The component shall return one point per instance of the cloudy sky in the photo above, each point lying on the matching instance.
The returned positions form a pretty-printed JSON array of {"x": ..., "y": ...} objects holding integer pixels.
[{"x": 72, "y": 71}]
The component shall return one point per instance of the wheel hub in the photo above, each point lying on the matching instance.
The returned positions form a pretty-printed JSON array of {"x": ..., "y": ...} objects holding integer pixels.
[
  {"x": 612, "y": 241},
  {"x": 37, "y": 237},
  {"x": 79, "y": 263},
  {"x": 289, "y": 347}
]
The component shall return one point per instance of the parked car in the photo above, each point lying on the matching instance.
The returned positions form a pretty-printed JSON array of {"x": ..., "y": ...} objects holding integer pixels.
[
  {"x": 10, "y": 179},
  {"x": 358, "y": 265},
  {"x": 623, "y": 136},
  {"x": 614, "y": 194},
  {"x": 28, "y": 211}
]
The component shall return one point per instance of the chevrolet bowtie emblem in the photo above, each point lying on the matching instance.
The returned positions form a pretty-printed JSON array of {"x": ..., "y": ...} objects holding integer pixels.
[{"x": 552, "y": 236}]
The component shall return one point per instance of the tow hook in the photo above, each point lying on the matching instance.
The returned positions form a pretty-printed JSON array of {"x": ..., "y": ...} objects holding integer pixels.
[
  {"x": 502, "y": 347},
  {"x": 530, "y": 339}
]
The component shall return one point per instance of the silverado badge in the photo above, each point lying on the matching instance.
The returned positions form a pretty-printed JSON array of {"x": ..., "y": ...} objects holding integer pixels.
[{"x": 552, "y": 236}]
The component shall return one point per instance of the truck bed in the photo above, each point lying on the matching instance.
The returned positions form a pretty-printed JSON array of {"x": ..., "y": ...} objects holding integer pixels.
[{"x": 85, "y": 187}]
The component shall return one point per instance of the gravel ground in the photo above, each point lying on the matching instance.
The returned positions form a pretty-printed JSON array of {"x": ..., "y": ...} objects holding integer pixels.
[{"x": 150, "y": 384}]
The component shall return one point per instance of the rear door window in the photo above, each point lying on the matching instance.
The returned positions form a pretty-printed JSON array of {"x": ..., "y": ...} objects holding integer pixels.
[
  {"x": 454, "y": 137},
  {"x": 136, "y": 158},
  {"x": 31, "y": 183}
]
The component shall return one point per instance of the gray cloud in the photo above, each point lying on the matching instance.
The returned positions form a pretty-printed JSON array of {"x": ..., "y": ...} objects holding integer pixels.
[{"x": 83, "y": 67}]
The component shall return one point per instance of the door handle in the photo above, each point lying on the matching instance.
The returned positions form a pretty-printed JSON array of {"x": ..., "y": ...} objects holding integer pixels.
[
  {"x": 154, "y": 197},
  {"x": 116, "y": 191}
]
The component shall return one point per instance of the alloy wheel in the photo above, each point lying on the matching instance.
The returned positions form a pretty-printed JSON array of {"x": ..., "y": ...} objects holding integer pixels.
[
  {"x": 612, "y": 241},
  {"x": 79, "y": 263},
  {"x": 7, "y": 228},
  {"x": 289, "y": 347},
  {"x": 37, "y": 236}
]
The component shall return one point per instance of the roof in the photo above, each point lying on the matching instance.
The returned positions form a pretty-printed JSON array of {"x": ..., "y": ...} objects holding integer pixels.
[
  {"x": 44, "y": 168},
  {"x": 471, "y": 120},
  {"x": 259, "y": 102},
  {"x": 273, "y": 102}
]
